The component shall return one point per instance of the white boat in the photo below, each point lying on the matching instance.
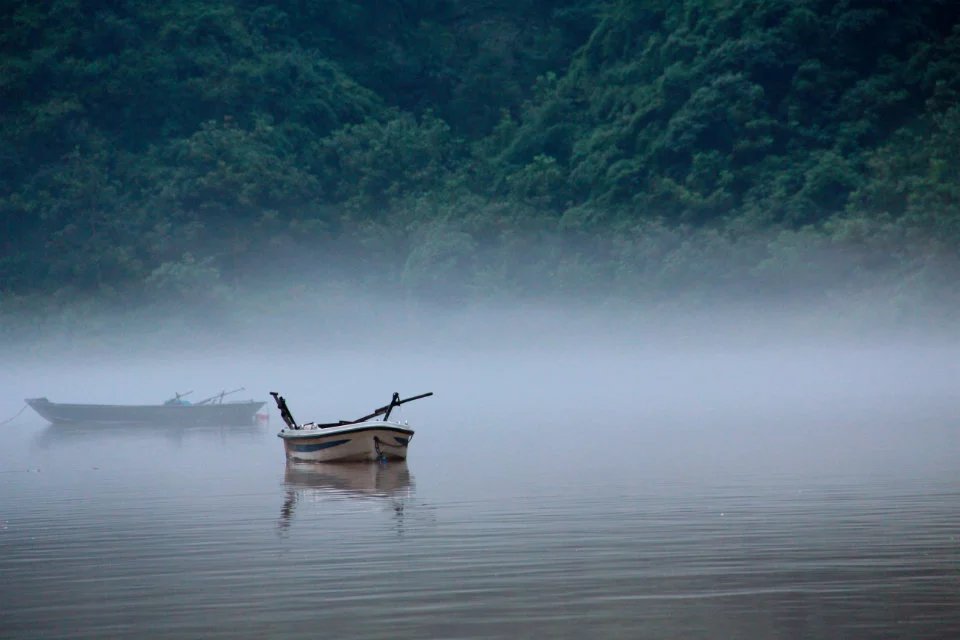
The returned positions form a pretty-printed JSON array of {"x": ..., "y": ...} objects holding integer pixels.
[{"x": 369, "y": 438}]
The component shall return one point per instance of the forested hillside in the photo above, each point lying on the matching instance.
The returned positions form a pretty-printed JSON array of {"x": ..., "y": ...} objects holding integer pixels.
[{"x": 642, "y": 150}]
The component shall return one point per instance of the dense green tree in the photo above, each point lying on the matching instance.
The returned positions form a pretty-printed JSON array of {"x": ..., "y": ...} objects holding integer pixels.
[{"x": 470, "y": 148}]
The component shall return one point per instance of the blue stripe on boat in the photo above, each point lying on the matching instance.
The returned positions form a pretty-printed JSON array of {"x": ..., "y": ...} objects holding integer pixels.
[
  {"x": 317, "y": 447},
  {"x": 402, "y": 441}
]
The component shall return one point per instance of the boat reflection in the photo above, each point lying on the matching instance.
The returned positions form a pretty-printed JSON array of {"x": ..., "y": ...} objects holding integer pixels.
[
  {"x": 360, "y": 478},
  {"x": 55, "y": 435},
  {"x": 389, "y": 481}
]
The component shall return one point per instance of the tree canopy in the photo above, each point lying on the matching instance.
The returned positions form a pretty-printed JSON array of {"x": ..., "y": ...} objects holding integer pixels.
[{"x": 635, "y": 148}]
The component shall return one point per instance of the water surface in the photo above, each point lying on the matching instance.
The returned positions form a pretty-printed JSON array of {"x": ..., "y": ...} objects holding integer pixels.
[{"x": 714, "y": 515}]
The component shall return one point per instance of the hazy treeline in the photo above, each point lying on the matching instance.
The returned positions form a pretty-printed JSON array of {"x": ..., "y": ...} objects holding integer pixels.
[{"x": 462, "y": 150}]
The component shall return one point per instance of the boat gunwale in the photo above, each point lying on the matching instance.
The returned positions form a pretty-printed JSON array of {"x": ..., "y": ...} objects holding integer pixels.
[
  {"x": 301, "y": 434},
  {"x": 44, "y": 402},
  {"x": 223, "y": 414}
]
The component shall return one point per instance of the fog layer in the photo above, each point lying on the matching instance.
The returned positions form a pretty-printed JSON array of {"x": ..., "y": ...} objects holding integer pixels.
[{"x": 586, "y": 385}]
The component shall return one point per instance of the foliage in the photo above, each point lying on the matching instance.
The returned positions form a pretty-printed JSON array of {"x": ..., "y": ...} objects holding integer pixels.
[{"x": 154, "y": 150}]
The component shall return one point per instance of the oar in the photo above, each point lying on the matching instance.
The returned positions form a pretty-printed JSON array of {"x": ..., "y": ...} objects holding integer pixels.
[
  {"x": 284, "y": 411},
  {"x": 178, "y": 395},
  {"x": 220, "y": 396},
  {"x": 396, "y": 402}
]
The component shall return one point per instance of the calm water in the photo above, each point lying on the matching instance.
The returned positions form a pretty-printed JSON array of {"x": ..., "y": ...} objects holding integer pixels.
[{"x": 728, "y": 521}]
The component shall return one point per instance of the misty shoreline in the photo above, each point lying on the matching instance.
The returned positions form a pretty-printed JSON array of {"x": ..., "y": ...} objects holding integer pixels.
[{"x": 352, "y": 323}]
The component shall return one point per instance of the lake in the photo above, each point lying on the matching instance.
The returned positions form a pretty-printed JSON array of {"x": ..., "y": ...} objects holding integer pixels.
[{"x": 547, "y": 496}]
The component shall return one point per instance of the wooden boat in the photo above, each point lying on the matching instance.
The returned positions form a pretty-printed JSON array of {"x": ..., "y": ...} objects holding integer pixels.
[
  {"x": 364, "y": 439},
  {"x": 212, "y": 411}
]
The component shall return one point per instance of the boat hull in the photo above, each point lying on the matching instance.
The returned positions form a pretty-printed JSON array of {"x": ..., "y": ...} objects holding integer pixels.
[
  {"x": 363, "y": 442},
  {"x": 223, "y": 414}
]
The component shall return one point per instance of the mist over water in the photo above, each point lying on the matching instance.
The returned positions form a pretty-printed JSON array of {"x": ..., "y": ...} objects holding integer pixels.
[{"x": 579, "y": 472}]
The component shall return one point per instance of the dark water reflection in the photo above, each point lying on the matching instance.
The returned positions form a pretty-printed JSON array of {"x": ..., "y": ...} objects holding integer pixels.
[
  {"x": 200, "y": 532},
  {"x": 357, "y": 481},
  {"x": 63, "y": 435}
]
